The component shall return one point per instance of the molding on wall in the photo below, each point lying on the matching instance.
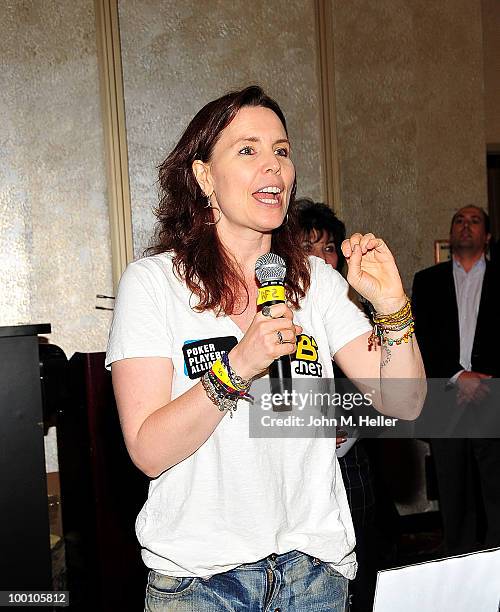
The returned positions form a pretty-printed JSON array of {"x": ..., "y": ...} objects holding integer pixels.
[
  {"x": 115, "y": 134},
  {"x": 328, "y": 118}
]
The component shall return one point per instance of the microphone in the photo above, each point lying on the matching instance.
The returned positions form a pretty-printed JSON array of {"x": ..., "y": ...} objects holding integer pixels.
[{"x": 270, "y": 270}]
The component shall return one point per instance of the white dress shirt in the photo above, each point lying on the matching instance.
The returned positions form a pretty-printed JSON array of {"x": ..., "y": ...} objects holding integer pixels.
[{"x": 468, "y": 287}]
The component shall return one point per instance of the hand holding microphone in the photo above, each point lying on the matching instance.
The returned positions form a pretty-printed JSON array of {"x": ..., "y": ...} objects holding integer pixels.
[{"x": 271, "y": 337}]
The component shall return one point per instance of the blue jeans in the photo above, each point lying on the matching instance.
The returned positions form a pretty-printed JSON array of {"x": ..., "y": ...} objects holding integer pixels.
[{"x": 292, "y": 582}]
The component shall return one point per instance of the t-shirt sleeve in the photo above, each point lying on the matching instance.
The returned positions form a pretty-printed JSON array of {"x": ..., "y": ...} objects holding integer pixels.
[
  {"x": 343, "y": 319},
  {"x": 140, "y": 319}
]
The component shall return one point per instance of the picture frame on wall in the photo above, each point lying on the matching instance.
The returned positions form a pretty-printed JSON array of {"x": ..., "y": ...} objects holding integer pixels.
[{"x": 442, "y": 251}]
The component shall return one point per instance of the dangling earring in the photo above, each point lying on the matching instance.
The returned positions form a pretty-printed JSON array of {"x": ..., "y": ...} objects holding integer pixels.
[
  {"x": 209, "y": 205},
  {"x": 285, "y": 221}
]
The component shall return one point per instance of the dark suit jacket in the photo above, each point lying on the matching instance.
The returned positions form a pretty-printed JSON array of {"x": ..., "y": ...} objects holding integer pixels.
[{"x": 436, "y": 322}]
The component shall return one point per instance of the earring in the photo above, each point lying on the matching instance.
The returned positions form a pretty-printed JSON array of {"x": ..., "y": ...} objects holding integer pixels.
[
  {"x": 214, "y": 222},
  {"x": 285, "y": 221},
  {"x": 209, "y": 205}
]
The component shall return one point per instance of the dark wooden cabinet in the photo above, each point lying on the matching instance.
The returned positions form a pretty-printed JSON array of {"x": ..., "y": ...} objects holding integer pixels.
[
  {"x": 25, "y": 561},
  {"x": 101, "y": 493}
]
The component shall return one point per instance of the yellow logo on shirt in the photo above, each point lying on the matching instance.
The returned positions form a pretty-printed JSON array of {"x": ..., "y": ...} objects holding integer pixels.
[
  {"x": 306, "y": 357},
  {"x": 306, "y": 348}
]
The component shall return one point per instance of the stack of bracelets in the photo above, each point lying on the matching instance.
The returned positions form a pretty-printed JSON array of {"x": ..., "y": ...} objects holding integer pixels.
[
  {"x": 397, "y": 321},
  {"x": 224, "y": 387}
]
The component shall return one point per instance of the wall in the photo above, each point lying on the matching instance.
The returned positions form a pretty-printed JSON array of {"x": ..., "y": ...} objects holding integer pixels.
[
  {"x": 177, "y": 56},
  {"x": 410, "y": 119},
  {"x": 54, "y": 226},
  {"x": 411, "y": 122},
  {"x": 491, "y": 49}
]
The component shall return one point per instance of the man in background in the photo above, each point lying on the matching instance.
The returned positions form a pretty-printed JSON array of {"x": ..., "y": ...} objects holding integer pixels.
[{"x": 456, "y": 305}]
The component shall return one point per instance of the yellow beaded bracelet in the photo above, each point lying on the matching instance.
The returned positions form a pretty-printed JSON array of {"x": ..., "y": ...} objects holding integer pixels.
[{"x": 396, "y": 321}]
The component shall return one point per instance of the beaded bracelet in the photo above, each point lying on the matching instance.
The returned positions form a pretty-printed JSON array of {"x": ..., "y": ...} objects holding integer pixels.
[
  {"x": 222, "y": 402},
  {"x": 400, "y": 316},
  {"x": 396, "y": 321},
  {"x": 239, "y": 383},
  {"x": 227, "y": 377},
  {"x": 224, "y": 387},
  {"x": 379, "y": 338}
]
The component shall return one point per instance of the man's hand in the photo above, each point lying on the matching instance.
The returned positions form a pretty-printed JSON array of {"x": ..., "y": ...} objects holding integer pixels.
[
  {"x": 341, "y": 437},
  {"x": 471, "y": 389}
]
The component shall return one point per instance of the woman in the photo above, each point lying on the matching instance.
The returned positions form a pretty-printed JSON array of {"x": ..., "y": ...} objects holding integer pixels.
[
  {"x": 232, "y": 522},
  {"x": 321, "y": 234}
]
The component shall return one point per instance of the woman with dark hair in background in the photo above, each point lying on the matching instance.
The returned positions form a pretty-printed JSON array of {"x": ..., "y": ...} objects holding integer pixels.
[
  {"x": 322, "y": 232},
  {"x": 233, "y": 522}
]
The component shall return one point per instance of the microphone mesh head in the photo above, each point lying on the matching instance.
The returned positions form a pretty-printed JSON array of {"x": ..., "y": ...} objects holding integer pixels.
[{"x": 270, "y": 267}]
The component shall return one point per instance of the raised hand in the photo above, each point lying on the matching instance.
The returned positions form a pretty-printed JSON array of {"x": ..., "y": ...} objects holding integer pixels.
[{"x": 373, "y": 273}]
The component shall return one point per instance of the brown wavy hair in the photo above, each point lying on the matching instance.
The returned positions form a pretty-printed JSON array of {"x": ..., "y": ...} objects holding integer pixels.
[{"x": 200, "y": 259}]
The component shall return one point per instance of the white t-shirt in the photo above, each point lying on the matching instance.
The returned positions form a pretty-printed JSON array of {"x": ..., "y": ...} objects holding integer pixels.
[{"x": 236, "y": 499}]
